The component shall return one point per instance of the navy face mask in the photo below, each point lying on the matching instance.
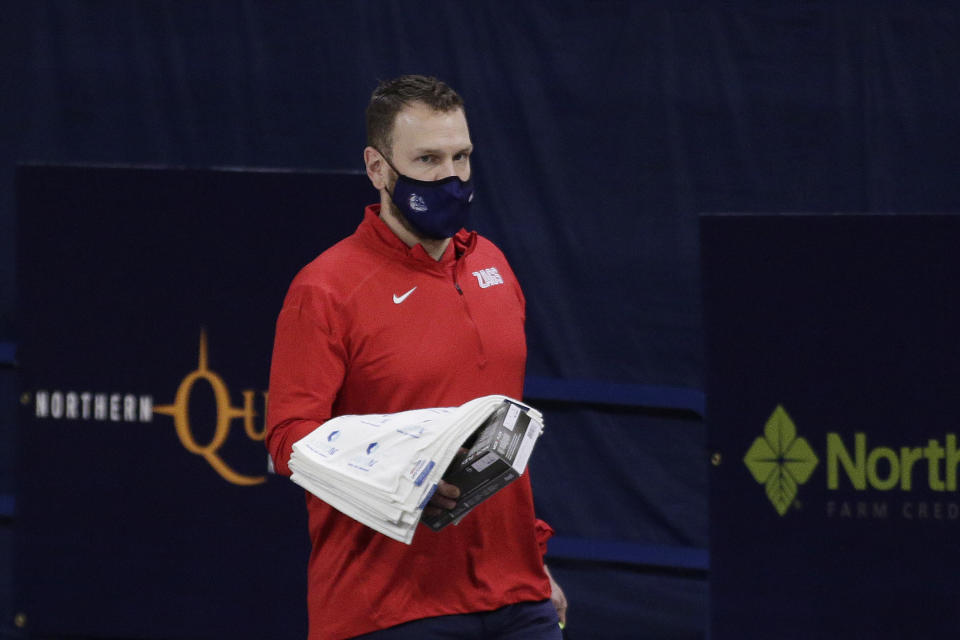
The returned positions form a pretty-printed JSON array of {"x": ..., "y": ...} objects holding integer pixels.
[{"x": 436, "y": 209}]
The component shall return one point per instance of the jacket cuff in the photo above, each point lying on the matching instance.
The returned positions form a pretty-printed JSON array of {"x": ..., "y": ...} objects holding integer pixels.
[{"x": 543, "y": 532}]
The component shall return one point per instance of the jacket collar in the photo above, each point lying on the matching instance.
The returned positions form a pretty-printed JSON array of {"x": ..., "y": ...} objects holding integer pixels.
[{"x": 375, "y": 233}]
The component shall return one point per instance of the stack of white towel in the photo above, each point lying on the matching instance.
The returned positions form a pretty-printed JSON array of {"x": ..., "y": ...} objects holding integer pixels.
[{"x": 382, "y": 469}]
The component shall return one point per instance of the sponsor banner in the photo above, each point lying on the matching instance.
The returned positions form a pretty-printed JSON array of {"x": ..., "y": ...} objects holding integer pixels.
[
  {"x": 148, "y": 299},
  {"x": 832, "y": 366}
]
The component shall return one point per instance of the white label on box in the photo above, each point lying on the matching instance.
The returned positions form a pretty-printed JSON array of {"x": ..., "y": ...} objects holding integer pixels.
[
  {"x": 534, "y": 429},
  {"x": 510, "y": 420},
  {"x": 485, "y": 461}
]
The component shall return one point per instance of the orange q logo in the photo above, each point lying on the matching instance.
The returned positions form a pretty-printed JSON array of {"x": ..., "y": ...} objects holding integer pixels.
[{"x": 226, "y": 413}]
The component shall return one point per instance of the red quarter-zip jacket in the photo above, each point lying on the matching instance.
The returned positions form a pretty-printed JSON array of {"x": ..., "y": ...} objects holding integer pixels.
[{"x": 374, "y": 326}]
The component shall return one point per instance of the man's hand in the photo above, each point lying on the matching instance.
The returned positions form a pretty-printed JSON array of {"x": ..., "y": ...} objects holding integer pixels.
[
  {"x": 558, "y": 598},
  {"x": 444, "y": 499}
]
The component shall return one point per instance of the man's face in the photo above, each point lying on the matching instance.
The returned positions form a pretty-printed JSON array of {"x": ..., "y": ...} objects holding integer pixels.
[{"x": 430, "y": 145}]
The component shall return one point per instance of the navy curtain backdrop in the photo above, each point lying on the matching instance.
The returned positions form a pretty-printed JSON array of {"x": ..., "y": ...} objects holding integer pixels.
[{"x": 602, "y": 130}]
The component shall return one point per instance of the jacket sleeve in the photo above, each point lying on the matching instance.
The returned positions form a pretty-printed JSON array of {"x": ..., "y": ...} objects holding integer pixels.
[{"x": 306, "y": 371}]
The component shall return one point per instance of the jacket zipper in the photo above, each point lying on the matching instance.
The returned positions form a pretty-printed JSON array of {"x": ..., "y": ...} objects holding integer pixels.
[{"x": 481, "y": 351}]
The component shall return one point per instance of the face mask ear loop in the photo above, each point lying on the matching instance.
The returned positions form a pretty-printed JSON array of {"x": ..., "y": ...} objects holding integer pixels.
[
  {"x": 394, "y": 169},
  {"x": 387, "y": 160}
]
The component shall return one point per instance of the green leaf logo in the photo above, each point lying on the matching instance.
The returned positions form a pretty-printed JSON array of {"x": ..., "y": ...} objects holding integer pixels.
[{"x": 780, "y": 460}]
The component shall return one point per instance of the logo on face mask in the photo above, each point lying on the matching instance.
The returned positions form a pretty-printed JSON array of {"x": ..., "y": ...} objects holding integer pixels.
[{"x": 417, "y": 203}]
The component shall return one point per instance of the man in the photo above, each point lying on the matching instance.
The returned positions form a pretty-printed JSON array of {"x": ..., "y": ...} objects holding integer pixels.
[{"x": 412, "y": 311}]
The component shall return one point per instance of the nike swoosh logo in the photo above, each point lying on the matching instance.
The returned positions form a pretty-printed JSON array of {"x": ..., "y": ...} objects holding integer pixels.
[{"x": 398, "y": 299}]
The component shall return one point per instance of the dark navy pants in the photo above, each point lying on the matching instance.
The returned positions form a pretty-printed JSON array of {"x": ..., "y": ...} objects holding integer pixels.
[{"x": 523, "y": 621}]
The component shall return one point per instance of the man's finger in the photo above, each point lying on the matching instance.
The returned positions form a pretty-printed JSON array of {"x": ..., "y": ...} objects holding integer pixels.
[
  {"x": 448, "y": 490},
  {"x": 445, "y": 497}
]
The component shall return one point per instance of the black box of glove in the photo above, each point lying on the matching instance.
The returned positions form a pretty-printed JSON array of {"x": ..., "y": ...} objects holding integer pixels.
[{"x": 497, "y": 454}]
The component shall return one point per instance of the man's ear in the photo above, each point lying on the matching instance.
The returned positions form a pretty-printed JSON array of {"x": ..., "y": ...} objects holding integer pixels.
[{"x": 376, "y": 168}]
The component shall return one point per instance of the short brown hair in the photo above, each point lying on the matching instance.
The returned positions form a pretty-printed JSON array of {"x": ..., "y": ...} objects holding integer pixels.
[{"x": 392, "y": 96}]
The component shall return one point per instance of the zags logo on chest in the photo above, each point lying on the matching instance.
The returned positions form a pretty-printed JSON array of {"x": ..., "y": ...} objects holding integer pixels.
[{"x": 488, "y": 277}]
